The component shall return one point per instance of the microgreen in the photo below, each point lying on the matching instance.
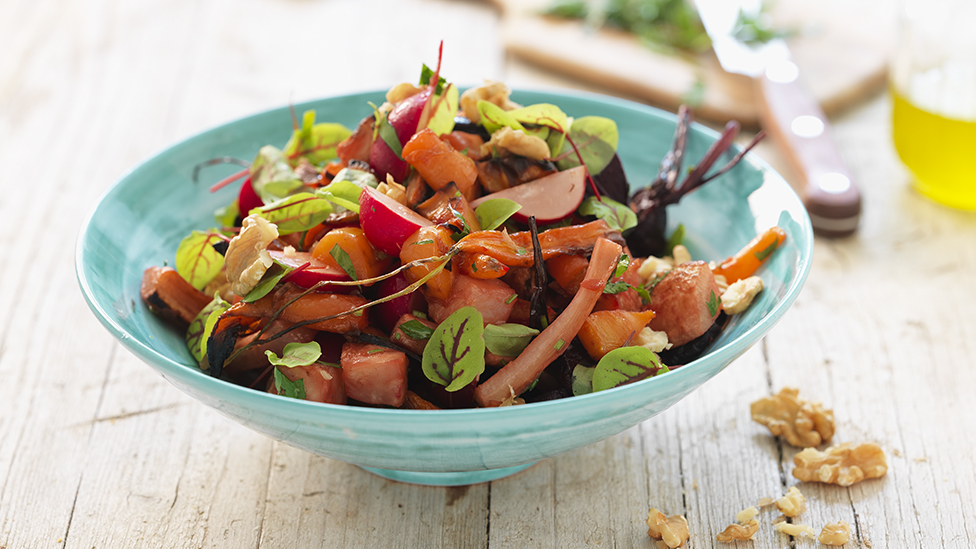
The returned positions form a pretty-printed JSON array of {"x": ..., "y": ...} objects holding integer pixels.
[
  {"x": 713, "y": 304},
  {"x": 626, "y": 365},
  {"x": 296, "y": 213},
  {"x": 196, "y": 259},
  {"x": 765, "y": 252},
  {"x": 508, "y": 339},
  {"x": 389, "y": 136},
  {"x": 595, "y": 139},
  {"x": 271, "y": 277},
  {"x": 288, "y": 388},
  {"x": 271, "y": 175},
  {"x": 344, "y": 261},
  {"x": 622, "y": 264},
  {"x": 296, "y": 354},
  {"x": 617, "y": 216},
  {"x": 677, "y": 237},
  {"x": 494, "y": 212},
  {"x": 202, "y": 325},
  {"x": 583, "y": 379},
  {"x": 455, "y": 354},
  {"x": 416, "y": 330},
  {"x": 426, "y": 73},
  {"x": 315, "y": 142}
]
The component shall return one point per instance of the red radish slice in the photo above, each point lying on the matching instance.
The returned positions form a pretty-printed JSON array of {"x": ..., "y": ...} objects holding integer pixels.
[
  {"x": 386, "y": 222},
  {"x": 385, "y": 314},
  {"x": 316, "y": 271},
  {"x": 550, "y": 198},
  {"x": 247, "y": 199},
  {"x": 404, "y": 119}
]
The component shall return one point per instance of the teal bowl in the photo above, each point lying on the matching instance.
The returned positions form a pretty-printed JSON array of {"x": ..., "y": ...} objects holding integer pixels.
[{"x": 142, "y": 218}]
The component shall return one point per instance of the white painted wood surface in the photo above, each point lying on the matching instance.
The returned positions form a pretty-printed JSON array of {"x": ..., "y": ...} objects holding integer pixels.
[{"x": 96, "y": 450}]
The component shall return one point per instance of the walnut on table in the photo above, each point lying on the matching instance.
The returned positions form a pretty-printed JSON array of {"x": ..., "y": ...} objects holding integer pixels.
[
  {"x": 796, "y": 530},
  {"x": 673, "y": 530},
  {"x": 741, "y": 532},
  {"x": 844, "y": 464},
  {"x": 803, "y": 424},
  {"x": 835, "y": 534},
  {"x": 793, "y": 503}
]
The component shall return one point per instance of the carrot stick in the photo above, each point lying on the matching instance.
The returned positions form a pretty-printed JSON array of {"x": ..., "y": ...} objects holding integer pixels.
[
  {"x": 516, "y": 376},
  {"x": 748, "y": 260}
]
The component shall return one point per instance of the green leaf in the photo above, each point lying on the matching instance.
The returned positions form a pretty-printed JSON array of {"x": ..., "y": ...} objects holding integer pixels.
[
  {"x": 618, "y": 216},
  {"x": 426, "y": 73},
  {"x": 344, "y": 261},
  {"x": 455, "y": 354},
  {"x": 583, "y": 379},
  {"x": 616, "y": 287},
  {"x": 677, "y": 237},
  {"x": 389, "y": 136},
  {"x": 226, "y": 216},
  {"x": 286, "y": 387},
  {"x": 492, "y": 213},
  {"x": 270, "y": 279},
  {"x": 494, "y": 117},
  {"x": 713, "y": 303},
  {"x": 542, "y": 114},
  {"x": 345, "y": 192},
  {"x": 196, "y": 259},
  {"x": 296, "y": 354},
  {"x": 202, "y": 325},
  {"x": 442, "y": 120},
  {"x": 296, "y": 213},
  {"x": 508, "y": 339},
  {"x": 596, "y": 140},
  {"x": 622, "y": 264},
  {"x": 272, "y": 176},
  {"x": 416, "y": 330},
  {"x": 315, "y": 142},
  {"x": 626, "y": 365}
]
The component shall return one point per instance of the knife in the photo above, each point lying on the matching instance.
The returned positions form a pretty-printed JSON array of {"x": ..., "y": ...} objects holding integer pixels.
[{"x": 790, "y": 114}]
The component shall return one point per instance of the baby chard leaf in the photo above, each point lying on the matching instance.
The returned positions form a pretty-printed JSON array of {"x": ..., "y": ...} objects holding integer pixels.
[
  {"x": 508, "y": 339},
  {"x": 455, "y": 354},
  {"x": 618, "y": 216},
  {"x": 626, "y": 365},
  {"x": 494, "y": 117},
  {"x": 492, "y": 213},
  {"x": 296, "y": 213},
  {"x": 583, "y": 379},
  {"x": 596, "y": 140},
  {"x": 296, "y": 354},
  {"x": 542, "y": 114},
  {"x": 196, "y": 259},
  {"x": 445, "y": 106},
  {"x": 272, "y": 176},
  {"x": 199, "y": 331},
  {"x": 287, "y": 387},
  {"x": 315, "y": 142}
]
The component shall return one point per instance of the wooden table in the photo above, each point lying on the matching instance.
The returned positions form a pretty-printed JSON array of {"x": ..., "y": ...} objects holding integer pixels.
[{"x": 96, "y": 450}]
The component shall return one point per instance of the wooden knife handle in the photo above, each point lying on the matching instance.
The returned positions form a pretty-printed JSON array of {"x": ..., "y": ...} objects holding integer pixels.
[{"x": 795, "y": 120}]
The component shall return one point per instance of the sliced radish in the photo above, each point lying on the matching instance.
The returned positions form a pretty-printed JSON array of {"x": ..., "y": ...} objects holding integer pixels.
[
  {"x": 385, "y": 314},
  {"x": 247, "y": 199},
  {"x": 549, "y": 199},
  {"x": 404, "y": 119},
  {"x": 386, "y": 222},
  {"x": 313, "y": 274}
]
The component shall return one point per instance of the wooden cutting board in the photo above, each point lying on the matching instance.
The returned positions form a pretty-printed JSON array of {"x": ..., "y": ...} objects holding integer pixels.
[{"x": 840, "y": 62}]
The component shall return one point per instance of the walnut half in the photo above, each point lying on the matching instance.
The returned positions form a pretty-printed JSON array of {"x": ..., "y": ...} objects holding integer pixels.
[
  {"x": 803, "y": 424},
  {"x": 793, "y": 503},
  {"x": 835, "y": 534},
  {"x": 742, "y": 532},
  {"x": 844, "y": 464},
  {"x": 673, "y": 530}
]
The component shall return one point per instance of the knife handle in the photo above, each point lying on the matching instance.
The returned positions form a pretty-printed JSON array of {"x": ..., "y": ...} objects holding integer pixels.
[{"x": 795, "y": 120}]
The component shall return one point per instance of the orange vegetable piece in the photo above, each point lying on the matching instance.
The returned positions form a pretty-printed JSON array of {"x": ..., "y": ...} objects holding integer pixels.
[
  {"x": 567, "y": 271},
  {"x": 353, "y": 241},
  {"x": 479, "y": 266},
  {"x": 468, "y": 143},
  {"x": 748, "y": 260},
  {"x": 429, "y": 241},
  {"x": 604, "y": 331},
  {"x": 438, "y": 162}
]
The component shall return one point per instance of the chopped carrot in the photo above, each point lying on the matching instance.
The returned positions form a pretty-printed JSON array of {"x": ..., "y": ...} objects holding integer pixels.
[
  {"x": 479, "y": 266},
  {"x": 748, "y": 260},
  {"x": 567, "y": 270},
  {"x": 170, "y": 296},
  {"x": 427, "y": 242},
  {"x": 468, "y": 143},
  {"x": 438, "y": 162},
  {"x": 353, "y": 242},
  {"x": 604, "y": 331}
]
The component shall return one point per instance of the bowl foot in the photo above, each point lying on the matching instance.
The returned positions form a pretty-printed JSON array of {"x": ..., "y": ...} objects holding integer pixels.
[{"x": 448, "y": 479}]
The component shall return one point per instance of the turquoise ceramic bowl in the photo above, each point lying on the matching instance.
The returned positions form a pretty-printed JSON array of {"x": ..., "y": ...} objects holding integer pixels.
[{"x": 141, "y": 220}]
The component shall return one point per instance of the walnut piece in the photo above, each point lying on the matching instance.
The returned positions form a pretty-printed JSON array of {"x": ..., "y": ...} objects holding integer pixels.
[
  {"x": 835, "y": 534},
  {"x": 393, "y": 190},
  {"x": 492, "y": 92},
  {"x": 402, "y": 91},
  {"x": 844, "y": 464},
  {"x": 652, "y": 267},
  {"x": 742, "y": 532},
  {"x": 793, "y": 503},
  {"x": 796, "y": 530},
  {"x": 739, "y": 295},
  {"x": 803, "y": 424},
  {"x": 765, "y": 501},
  {"x": 746, "y": 514},
  {"x": 655, "y": 341},
  {"x": 673, "y": 530},
  {"x": 681, "y": 254},
  {"x": 247, "y": 257},
  {"x": 516, "y": 142}
]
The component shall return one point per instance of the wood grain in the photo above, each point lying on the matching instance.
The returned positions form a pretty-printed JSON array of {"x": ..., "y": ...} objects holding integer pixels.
[{"x": 96, "y": 450}]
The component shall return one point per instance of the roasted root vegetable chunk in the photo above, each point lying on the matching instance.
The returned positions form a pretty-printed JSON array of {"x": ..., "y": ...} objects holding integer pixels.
[
  {"x": 167, "y": 294},
  {"x": 627, "y": 300},
  {"x": 438, "y": 162},
  {"x": 252, "y": 357},
  {"x": 493, "y": 298},
  {"x": 430, "y": 241},
  {"x": 604, "y": 331},
  {"x": 686, "y": 302},
  {"x": 338, "y": 245},
  {"x": 374, "y": 375},
  {"x": 322, "y": 383},
  {"x": 748, "y": 260}
]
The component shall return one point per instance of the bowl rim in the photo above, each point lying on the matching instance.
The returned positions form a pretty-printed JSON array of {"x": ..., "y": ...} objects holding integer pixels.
[{"x": 224, "y": 390}]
